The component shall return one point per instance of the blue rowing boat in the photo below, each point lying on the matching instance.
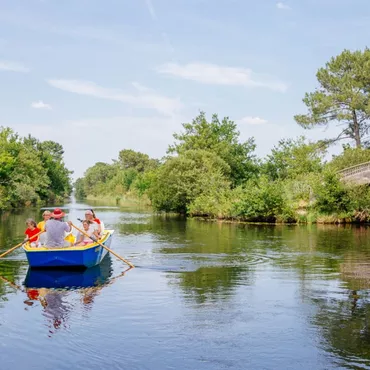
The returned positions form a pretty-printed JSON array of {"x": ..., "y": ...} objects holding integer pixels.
[{"x": 70, "y": 257}]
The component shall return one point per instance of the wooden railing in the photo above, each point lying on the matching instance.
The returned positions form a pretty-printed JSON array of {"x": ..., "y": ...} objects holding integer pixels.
[{"x": 356, "y": 171}]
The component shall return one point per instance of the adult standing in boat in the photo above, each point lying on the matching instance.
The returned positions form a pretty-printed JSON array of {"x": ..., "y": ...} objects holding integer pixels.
[
  {"x": 56, "y": 228},
  {"x": 96, "y": 223}
]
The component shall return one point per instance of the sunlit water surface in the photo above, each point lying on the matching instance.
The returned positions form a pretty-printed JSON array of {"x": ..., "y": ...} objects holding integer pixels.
[{"x": 203, "y": 296}]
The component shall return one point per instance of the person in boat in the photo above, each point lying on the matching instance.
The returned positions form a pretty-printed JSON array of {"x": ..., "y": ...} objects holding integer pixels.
[
  {"x": 56, "y": 228},
  {"x": 41, "y": 225},
  {"x": 91, "y": 232},
  {"x": 31, "y": 231},
  {"x": 46, "y": 216},
  {"x": 95, "y": 218},
  {"x": 95, "y": 222}
]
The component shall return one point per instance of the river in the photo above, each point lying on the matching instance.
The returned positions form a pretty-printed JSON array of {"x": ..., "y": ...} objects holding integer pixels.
[{"x": 203, "y": 295}]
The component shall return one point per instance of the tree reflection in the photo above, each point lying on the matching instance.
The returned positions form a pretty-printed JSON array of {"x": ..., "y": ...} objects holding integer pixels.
[
  {"x": 344, "y": 324},
  {"x": 212, "y": 283}
]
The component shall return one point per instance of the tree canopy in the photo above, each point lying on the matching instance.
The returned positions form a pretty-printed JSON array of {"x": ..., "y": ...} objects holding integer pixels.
[
  {"x": 343, "y": 97},
  {"x": 221, "y": 138},
  {"x": 30, "y": 170}
]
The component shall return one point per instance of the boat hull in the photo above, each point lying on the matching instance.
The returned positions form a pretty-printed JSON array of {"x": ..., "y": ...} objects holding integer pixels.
[{"x": 71, "y": 257}]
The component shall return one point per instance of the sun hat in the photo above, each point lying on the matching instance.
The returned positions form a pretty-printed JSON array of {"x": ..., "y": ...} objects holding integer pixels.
[
  {"x": 57, "y": 213},
  {"x": 88, "y": 212}
]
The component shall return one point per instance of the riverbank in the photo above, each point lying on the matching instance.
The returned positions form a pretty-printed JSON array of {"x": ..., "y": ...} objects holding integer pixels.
[
  {"x": 309, "y": 220},
  {"x": 123, "y": 200},
  {"x": 301, "y": 217}
]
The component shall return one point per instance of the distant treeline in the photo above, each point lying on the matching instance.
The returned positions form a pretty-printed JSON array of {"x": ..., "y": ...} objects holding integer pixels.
[{"x": 31, "y": 171}]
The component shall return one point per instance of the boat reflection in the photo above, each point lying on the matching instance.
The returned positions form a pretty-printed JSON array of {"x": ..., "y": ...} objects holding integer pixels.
[
  {"x": 60, "y": 292},
  {"x": 69, "y": 279}
]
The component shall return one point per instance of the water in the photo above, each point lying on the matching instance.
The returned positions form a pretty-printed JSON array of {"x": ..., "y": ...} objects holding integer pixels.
[{"x": 203, "y": 296}]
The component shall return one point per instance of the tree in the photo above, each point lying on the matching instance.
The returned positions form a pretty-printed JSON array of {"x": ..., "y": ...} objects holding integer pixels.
[
  {"x": 29, "y": 172},
  {"x": 129, "y": 159},
  {"x": 222, "y": 139},
  {"x": 97, "y": 176},
  {"x": 262, "y": 200},
  {"x": 331, "y": 194},
  {"x": 343, "y": 97},
  {"x": 182, "y": 179},
  {"x": 80, "y": 188},
  {"x": 292, "y": 158}
]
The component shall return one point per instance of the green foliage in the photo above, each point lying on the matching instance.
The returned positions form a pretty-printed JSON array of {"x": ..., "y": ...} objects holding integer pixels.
[
  {"x": 96, "y": 178},
  {"x": 331, "y": 195},
  {"x": 213, "y": 175},
  {"x": 79, "y": 189},
  {"x": 142, "y": 182},
  {"x": 292, "y": 158},
  {"x": 131, "y": 172},
  {"x": 222, "y": 139},
  {"x": 129, "y": 177},
  {"x": 349, "y": 157},
  {"x": 343, "y": 95},
  {"x": 216, "y": 203},
  {"x": 180, "y": 180},
  {"x": 262, "y": 200},
  {"x": 30, "y": 171},
  {"x": 129, "y": 159}
]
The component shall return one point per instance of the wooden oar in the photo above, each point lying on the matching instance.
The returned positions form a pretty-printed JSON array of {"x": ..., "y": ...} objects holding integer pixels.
[
  {"x": 102, "y": 245},
  {"x": 19, "y": 245}
]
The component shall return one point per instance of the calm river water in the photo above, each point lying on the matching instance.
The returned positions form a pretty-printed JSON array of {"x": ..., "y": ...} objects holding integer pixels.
[{"x": 202, "y": 296}]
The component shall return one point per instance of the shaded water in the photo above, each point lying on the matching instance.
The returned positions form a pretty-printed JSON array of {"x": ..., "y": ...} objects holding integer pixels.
[{"x": 203, "y": 296}]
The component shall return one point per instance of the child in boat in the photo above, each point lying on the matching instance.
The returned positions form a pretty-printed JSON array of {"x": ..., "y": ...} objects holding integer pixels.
[
  {"x": 90, "y": 231},
  {"x": 31, "y": 231}
]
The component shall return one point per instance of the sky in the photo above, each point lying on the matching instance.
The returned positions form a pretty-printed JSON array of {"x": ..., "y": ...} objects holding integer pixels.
[{"x": 101, "y": 76}]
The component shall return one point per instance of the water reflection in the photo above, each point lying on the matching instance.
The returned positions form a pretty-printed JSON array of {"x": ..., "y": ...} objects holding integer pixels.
[
  {"x": 211, "y": 284},
  {"x": 54, "y": 290},
  {"x": 203, "y": 293}
]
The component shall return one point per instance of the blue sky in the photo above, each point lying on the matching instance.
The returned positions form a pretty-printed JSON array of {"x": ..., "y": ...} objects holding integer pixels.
[{"x": 100, "y": 76}]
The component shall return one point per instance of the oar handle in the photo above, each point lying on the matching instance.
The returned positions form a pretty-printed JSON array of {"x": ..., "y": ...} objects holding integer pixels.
[
  {"x": 104, "y": 246},
  {"x": 19, "y": 245}
]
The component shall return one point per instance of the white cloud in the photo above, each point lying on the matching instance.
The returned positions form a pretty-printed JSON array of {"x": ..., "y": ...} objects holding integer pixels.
[
  {"x": 6, "y": 65},
  {"x": 253, "y": 120},
  {"x": 152, "y": 12},
  {"x": 142, "y": 98},
  {"x": 41, "y": 105},
  {"x": 219, "y": 75},
  {"x": 283, "y": 6}
]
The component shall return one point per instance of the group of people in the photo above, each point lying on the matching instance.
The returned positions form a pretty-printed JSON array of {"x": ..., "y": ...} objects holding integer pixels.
[{"x": 56, "y": 230}]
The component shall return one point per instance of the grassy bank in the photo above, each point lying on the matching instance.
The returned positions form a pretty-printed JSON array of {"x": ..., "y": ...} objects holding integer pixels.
[{"x": 122, "y": 200}]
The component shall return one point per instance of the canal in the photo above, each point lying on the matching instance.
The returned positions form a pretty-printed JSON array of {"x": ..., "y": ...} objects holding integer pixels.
[{"x": 203, "y": 295}]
